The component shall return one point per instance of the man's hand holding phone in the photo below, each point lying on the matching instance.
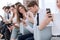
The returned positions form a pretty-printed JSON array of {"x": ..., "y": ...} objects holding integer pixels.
[
  {"x": 48, "y": 11},
  {"x": 49, "y": 14}
]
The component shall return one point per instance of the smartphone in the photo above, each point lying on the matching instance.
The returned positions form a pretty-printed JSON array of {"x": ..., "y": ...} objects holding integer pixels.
[{"x": 48, "y": 12}]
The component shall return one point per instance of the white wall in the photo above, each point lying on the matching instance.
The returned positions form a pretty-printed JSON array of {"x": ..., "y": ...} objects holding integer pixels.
[
  {"x": 7, "y": 2},
  {"x": 48, "y": 4}
]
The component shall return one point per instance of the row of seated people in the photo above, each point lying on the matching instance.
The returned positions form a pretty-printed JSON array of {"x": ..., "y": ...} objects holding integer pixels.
[
  {"x": 15, "y": 17},
  {"x": 31, "y": 23}
]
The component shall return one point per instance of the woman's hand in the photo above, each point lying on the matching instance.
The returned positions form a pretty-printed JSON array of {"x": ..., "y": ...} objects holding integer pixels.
[
  {"x": 24, "y": 23},
  {"x": 6, "y": 22},
  {"x": 16, "y": 25}
]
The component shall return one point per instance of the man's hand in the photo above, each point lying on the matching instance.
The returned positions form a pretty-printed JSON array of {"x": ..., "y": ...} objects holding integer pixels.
[
  {"x": 49, "y": 17},
  {"x": 45, "y": 22}
]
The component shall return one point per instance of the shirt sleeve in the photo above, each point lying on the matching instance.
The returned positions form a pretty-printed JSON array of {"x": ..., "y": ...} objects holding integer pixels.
[{"x": 30, "y": 29}]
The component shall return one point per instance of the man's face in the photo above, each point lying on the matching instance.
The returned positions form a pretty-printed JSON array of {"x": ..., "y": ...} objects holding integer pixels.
[
  {"x": 33, "y": 9},
  {"x": 58, "y": 3},
  {"x": 7, "y": 10}
]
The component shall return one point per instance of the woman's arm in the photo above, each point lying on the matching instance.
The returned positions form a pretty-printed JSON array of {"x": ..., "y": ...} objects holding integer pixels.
[{"x": 28, "y": 27}]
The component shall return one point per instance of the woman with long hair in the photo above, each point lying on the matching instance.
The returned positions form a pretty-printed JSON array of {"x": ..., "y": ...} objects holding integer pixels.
[
  {"x": 16, "y": 23},
  {"x": 27, "y": 19}
]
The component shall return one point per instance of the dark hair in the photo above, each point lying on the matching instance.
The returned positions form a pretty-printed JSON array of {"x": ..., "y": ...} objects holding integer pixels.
[
  {"x": 12, "y": 6},
  {"x": 17, "y": 3},
  {"x": 21, "y": 15},
  {"x": 18, "y": 18},
  {"x": 32, "y": 4},
  {"x": 7, "y": 7},
  {"x": 22, "y": 7},
  {"x": 4, "y": 7}
]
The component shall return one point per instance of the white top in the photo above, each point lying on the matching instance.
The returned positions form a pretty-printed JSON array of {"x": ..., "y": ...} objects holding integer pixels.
[
  {"x": 15, "y": 21},
  {"x": 56, "y": 21}
]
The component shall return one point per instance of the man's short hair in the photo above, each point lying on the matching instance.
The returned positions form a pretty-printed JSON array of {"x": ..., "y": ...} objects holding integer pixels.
[
  {"x": 7, "y": 7},
  {"x": 18, "y": 3},
  {"x": 12, "y": 6},
  {"x": 4, "y": 7},
  {"x": 32, "y": 4}
]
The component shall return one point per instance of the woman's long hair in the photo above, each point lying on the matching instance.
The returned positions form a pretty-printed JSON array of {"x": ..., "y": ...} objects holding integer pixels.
[
  {"x": 21, "y": 15},
  {"x": 18, "y": 18}
]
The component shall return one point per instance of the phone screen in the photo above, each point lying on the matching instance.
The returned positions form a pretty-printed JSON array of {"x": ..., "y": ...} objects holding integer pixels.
[{"x": 48, "y": 12}]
